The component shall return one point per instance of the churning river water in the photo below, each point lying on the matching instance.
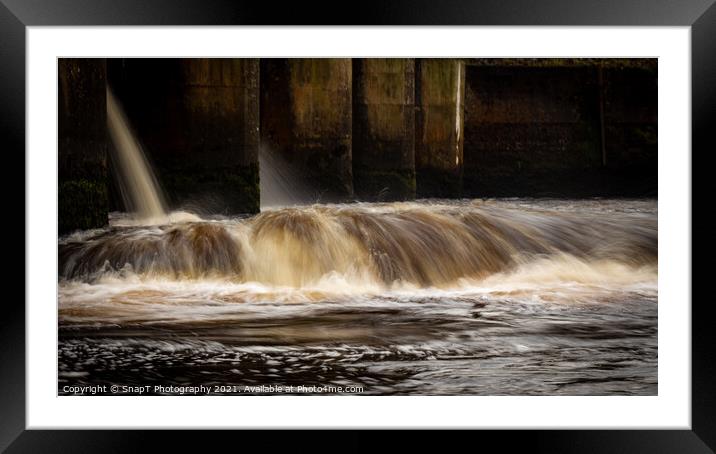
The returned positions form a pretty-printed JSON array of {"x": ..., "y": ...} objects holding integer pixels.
[{"x": 472, "y": 297}]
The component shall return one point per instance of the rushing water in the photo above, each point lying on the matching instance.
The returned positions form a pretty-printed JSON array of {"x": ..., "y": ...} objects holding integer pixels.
[{"x": 496, "y": 297}]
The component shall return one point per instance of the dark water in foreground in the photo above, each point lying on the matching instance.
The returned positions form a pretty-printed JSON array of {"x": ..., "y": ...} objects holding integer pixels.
[{"x": 512, "y": 297}]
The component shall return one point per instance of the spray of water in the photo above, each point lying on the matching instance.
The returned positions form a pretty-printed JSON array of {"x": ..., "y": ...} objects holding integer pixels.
[
  {"x": 281, "y": 184},
  {"x": 138, "y": 185}
]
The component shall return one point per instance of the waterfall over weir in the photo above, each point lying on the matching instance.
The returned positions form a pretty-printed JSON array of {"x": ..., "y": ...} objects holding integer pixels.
[
  {"x": 274, "y": 283},
  {"x": 434, "y": 298},
  {"x": 411, "y": 243}
]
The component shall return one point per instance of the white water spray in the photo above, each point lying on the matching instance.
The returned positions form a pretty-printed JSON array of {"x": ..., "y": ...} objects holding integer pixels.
[
  {"x": 139, "y": 187},
  {"x": 281, "y": 185}
]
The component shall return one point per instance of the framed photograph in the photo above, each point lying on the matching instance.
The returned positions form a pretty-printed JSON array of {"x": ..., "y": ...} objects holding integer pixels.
[{"x": 459, "y": 216}]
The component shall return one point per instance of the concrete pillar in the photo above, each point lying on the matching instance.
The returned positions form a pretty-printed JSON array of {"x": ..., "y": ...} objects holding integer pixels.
[
  {"x": 384, "y": 128},
  {"x": 82, "y": 136},
  {"x": 440, "y": 93},
  {"x": 306, "y": 118},
  {"x": 198, "y": 121},
  {"x": 532, "y": 128}
]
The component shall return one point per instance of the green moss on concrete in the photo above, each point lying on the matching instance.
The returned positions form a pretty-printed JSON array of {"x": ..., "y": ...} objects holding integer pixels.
[
  {"x": 82, "y": 204},
  {"x": 384, "y": 185},
  {"x": 434, "y": 183},
  {"x": 327, "y": 166},
  {"x": 227, "y": 190}
]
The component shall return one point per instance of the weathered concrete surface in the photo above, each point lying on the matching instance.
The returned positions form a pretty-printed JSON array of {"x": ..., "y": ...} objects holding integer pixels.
[
  {"x": 395, "y": 128},
  {"x": 530, "y": 130},
  {"x": 198, "y": 120},
  {"x": 553, "y": 127},
  {"x": 440, "y": 93},
  {"x": 630, "y": 129},
  {"x": 82, "y": 133},
  {"x": 306, "y": 116},
  {"x": 384, "y": 128}
]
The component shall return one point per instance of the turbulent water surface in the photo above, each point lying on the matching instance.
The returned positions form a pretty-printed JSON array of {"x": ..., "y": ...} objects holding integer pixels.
[{"x": 494, "y": 297}]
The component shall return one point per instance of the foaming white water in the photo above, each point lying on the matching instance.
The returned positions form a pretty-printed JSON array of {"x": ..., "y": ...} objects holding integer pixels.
[
  {"x": 138, "y": 185},
  {"x": 430, "y": 298},
  {"x": 206, "y": 303},
  {"x": 564, "y": 271},
  {"x": 175, "y": 217},
  {"x": 127, "y": 297},
  {"x": 421, "y": 245}
]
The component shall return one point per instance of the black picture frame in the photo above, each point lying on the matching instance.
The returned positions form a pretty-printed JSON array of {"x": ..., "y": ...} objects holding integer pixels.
[{"x": 16, "y": 15}]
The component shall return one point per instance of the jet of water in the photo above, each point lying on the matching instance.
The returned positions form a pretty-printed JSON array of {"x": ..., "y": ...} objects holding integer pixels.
[{"x": 139, "y": 187}]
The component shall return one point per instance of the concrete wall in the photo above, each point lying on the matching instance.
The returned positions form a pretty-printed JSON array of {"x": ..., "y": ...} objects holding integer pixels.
[
  {"x": 384, "y": 128},
  {"x": 306, "y": 116},
  {"x": 393, "y": 129},
  {"x": 82, "y": 133},
  {"x": 439, "y": 98},
  {"x": 630, "y": 129},
  {"x": 527, "y": 129},
  {"x": 198, "y": 120},
  {"x": 560, "y": 128}
]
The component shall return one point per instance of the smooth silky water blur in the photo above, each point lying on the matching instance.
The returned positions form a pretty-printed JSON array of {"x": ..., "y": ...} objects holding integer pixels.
[{"x": 495, "y": 297}]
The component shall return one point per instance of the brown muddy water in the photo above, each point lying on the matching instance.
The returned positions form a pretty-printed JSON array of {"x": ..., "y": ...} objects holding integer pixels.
[{"x": 472, "y": 297}]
